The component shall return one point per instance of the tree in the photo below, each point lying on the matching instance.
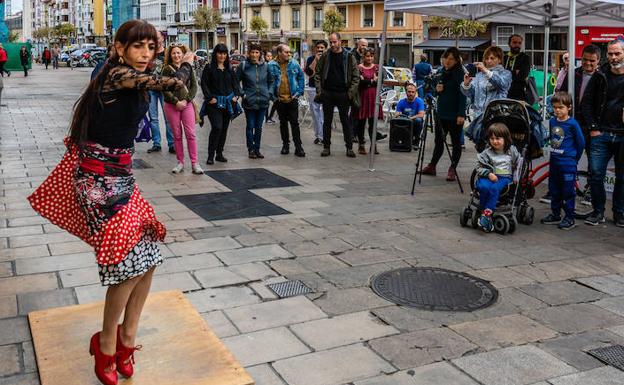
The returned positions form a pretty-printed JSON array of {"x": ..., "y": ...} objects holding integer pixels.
[
  {"x": 42, "y": 33},
  {"x": 334, "y": 22},
  {"x": 207, "y": 18},
  {"x": 63, "y": 31},
  {"x": 459, "y": 28},
  {"x": 14, "y": 36},
  {"x": 259, "y": 26}
]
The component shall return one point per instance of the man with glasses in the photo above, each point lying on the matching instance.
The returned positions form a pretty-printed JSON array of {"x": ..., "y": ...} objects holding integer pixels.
[
  {"x": 288, "y": 86},
  {"x": 337, "y": 79}
]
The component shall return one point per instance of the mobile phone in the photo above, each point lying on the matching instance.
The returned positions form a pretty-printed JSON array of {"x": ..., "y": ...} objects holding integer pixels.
[{"x": 472, "y": 70}]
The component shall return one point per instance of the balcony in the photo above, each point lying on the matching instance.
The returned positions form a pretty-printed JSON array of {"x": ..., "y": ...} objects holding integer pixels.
[
  {"x": 254, "y": 2},
  {"x": 275, "y": 2},
  {"x": 293, "y": 1}
]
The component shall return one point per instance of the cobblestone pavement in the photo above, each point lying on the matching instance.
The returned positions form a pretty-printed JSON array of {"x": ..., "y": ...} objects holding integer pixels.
[{"x": 561, "y": 293}]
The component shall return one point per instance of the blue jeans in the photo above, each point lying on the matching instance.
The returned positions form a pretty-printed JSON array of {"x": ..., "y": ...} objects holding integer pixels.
[
  {"x": 602, "y": 148},
  {"x": 153, "y": 115},
  {"x": 562, "y": 187},
  {"x": 420, "y": 84},
  {"x": 490, "y": 191},
  {"x": 255, "y": 118}
]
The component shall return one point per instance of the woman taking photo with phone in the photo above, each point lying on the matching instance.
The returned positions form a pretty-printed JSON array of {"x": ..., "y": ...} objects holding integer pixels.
[
  {"x": 94, "y": 190},
  {"x": 451, "y": 110}
]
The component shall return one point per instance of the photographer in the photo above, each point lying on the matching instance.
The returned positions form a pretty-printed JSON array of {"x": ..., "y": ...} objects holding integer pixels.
[
  {"x": 491, "y": 82},
  {"x": 451, "y": 111},
  {"x": 412, "y": 107}
]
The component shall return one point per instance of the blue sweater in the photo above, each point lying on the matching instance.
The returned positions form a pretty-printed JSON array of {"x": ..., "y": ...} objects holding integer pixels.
[{"x": 567, "y": 142}]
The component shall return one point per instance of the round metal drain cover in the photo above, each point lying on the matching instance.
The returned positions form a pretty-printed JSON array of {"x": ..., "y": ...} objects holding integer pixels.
[{"x": 434, "y": 289}]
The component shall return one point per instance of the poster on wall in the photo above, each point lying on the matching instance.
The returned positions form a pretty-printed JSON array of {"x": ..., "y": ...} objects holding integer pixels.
[{"x": 183, "y": 38}]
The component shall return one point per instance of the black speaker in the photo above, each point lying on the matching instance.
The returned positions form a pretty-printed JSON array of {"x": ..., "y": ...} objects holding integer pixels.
[{"x": 401, "y": 132}]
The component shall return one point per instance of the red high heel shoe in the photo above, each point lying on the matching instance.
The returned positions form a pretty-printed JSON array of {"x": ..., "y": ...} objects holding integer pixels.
[
  {"x": 103, "y": 362},
  {"x": 125, "y": 357}
]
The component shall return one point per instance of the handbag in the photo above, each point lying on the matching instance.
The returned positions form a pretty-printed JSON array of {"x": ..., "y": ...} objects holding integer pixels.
[{"x": 144, "y": 133}]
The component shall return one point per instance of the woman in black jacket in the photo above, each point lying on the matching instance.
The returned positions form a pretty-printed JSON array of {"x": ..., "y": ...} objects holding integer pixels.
[
  {"x": 24, "y": 59},
  {"x": 451, "y": 111},
  {"x": 221, "y": 91}
]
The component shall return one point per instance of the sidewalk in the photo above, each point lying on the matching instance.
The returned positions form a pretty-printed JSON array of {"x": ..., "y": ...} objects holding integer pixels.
[{"x": 561, "y": 293}]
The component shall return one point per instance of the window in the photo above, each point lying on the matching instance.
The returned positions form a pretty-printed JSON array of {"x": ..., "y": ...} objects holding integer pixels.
[
  {"x": 296, "y": 18},
  {"x": 256, "y": 13},
  {"x": 163, "y": 11},
  {"x": 318, "y": 17},
  {"x": 397, "y": 19},
  {"x": 502, "y": 35},
  {"x": 275, "y": 18},
  {"x": 343, "y": 11},
  {"x": 368, "y": 11}
]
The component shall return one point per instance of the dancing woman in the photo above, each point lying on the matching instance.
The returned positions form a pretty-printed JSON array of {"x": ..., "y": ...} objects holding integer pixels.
[{"x": 92, "y": 192}]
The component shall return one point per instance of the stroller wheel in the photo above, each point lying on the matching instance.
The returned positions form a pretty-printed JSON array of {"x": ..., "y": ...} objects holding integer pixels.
[
  {"x": 474, "y": 220},
  {"x": 465, "y": 216},
  {"x": 501, "y": 224},
  {"x": 513, "y": 224},
  {"x": 529, "y": 215}
]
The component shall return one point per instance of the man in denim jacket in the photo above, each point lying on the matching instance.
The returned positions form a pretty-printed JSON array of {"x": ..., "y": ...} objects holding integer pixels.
[{"x": 288, "y": 86}]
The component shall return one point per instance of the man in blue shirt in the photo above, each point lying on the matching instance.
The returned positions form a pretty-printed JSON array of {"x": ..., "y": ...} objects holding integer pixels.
[
  {"x": 420, "y": 72},
  {"x": 412, "y": 107}
]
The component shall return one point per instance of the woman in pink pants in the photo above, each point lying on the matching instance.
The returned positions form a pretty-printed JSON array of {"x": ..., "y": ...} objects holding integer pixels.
[{"x": 179, "y": 109}]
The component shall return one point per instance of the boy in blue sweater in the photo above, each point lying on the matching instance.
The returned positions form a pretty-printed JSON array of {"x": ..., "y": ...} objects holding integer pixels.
[{"x": 567, "y": 143}]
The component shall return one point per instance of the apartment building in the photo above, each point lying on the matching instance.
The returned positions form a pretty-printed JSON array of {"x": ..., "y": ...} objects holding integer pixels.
[{"x": 155, "y": 12}]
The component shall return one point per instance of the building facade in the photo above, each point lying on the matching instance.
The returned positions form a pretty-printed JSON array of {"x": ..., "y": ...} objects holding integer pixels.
[
  {"x": 124, "y": 10},
  {"x": 155, "y": 12}
]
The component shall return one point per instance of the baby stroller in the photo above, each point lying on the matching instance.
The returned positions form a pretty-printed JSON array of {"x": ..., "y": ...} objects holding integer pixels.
[{"x": 512, "y": 207}]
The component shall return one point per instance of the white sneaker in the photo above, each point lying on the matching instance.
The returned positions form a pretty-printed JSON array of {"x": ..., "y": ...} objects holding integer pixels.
[
  {"x": 197, "y": 170},
  {"x": 178, "y": 169}
]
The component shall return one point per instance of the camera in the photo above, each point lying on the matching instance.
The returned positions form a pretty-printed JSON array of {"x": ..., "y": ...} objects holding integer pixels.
[
  {"x": 431, "y": 81},
  {"x": 472, "y": 70}
]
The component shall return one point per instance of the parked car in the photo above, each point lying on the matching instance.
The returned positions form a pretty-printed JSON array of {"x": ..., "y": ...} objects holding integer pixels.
[{"x": 235, "y": 60}]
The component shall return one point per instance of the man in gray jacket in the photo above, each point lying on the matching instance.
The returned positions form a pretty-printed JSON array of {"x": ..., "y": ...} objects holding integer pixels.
[{"x": 337, "y": 79}]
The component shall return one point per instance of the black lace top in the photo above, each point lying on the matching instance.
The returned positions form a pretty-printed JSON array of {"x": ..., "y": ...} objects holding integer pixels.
[{"x": 125, "y": 101}]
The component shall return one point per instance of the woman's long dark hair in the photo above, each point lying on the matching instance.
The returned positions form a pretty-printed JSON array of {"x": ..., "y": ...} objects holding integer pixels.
[
  {"x": 213, "y": 60},
  {"x": 453, "y": 51},
  {"x": 85, "y": 107}
]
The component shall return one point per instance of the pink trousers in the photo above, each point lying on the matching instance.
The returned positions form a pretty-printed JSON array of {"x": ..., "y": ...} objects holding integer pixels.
[{"x": 179, "y": 120}]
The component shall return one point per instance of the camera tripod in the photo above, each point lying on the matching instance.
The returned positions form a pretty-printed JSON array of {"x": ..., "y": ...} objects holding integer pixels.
[{"x": 431, "y": 122}]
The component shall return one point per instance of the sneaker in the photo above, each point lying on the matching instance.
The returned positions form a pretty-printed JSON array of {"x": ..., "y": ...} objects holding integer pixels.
[
  {"x": 586, "y": 200},
  {"x": 171, "y": 150},
  {"x": 619, "y": 220},
  {"x": 259, "y": 155},
  {"x": 325, "y": 152},
  {"x": 299, "y": 152},
  {"x": 178, "y": 168},
  {"x": 318, "y": 141},
  {"x": 486, "y": 223},
  {"x": 210, "y": 161},
  {"x": 566, "y": 224},
  {"x": 220, "y": 158},
  {"x": 545, "y": 198},
  {"x": 270, "y": 121},
  {"x": 350, "y": 153},
  {"x": 154, "y": 148},
  {"x": 430, "y": 169},
  {"x": 252, "y": 155},
  {"x": 197, "y": 170},
  {"x": 285, "y": 150},
  {"x": 595, "y": 218},
  {"x": 381, "y": 136},
  {"x": 551, "y": 219}
]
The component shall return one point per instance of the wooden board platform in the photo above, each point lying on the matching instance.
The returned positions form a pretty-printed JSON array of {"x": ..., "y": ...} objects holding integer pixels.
[{"x": 178, "y": 346}]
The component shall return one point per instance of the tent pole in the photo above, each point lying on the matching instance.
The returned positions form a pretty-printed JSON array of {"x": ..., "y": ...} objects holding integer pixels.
[
  {"x": 380, "y": 77},
  {"x": 572, "y": 52},
  {"x": 546, "y": 66}
]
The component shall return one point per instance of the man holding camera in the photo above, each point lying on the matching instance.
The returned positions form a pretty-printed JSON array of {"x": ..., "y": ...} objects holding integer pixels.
[
  {"x": 413, "y": 108},
  {"x": 337, "y": 78},
  {"x": 602, "y": 107}
]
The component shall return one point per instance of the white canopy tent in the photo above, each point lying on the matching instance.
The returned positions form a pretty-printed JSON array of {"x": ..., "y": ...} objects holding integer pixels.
[{"x": 526, "y": 12}]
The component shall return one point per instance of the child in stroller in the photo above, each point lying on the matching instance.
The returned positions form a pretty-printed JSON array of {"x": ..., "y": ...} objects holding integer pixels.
[{"x": 495, "y": 169}]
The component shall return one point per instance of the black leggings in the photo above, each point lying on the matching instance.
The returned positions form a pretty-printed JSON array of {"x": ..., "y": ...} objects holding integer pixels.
[
  {"x": 359, "y": 129},
  {"x": 219, "y": 122},
  {"x": 269, "y": 115},
  {"x": 456, "y": 131}
]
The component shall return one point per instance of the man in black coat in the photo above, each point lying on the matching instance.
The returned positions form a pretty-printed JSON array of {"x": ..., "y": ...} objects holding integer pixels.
[{"x": 519, "y": 64}]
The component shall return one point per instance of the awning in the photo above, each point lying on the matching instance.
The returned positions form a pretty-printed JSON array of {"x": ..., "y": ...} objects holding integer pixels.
[{"x": 442, "y": 44}]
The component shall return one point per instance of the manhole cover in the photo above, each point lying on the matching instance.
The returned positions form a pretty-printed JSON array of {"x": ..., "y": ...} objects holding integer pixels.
[
  {"x": 289, "y": 288},
  {"x": 610, "y": 355},
  {"x": 434, "y": 289}
]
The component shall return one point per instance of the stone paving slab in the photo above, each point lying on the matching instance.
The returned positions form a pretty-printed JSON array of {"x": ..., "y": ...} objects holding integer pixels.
[
  {"x": 503, "y": 331},
  {"x": 14, "y": 330},
  {"x": 573, "y": 348},
  {"x": 601, "y": 376},
  {"x": 613, "y": 304},
  {"x": 265, "y": 346},
  {"x": 337, "y": 366},
  {"x": 441, "y": 373},
  {"x": 336, "y": 301},
  {"x": 422, "y": 347},
  {"x": 518, "y": 365},
  {"x": 609, "y": 284},
  {"x": 41, "y": 300},
  {"x": 28, "y": 283},
  {"x": 202, "y": 246},
  {"x": 222, "y": 298},
  {"x": 253, "y": 254},
  {"x": 8, "y": 306},
  {"x": 10, "y": 362},
  {"x": 56, "y": 263},
  {"x": 575, "y": 318},
  {"x": 274, "y": 313},
  {"x": 342, "y": 330},
  {"x": 264, "y": 375},
  {"x": 561, "y": 293},
  {"x": 219, "y": 324}
]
